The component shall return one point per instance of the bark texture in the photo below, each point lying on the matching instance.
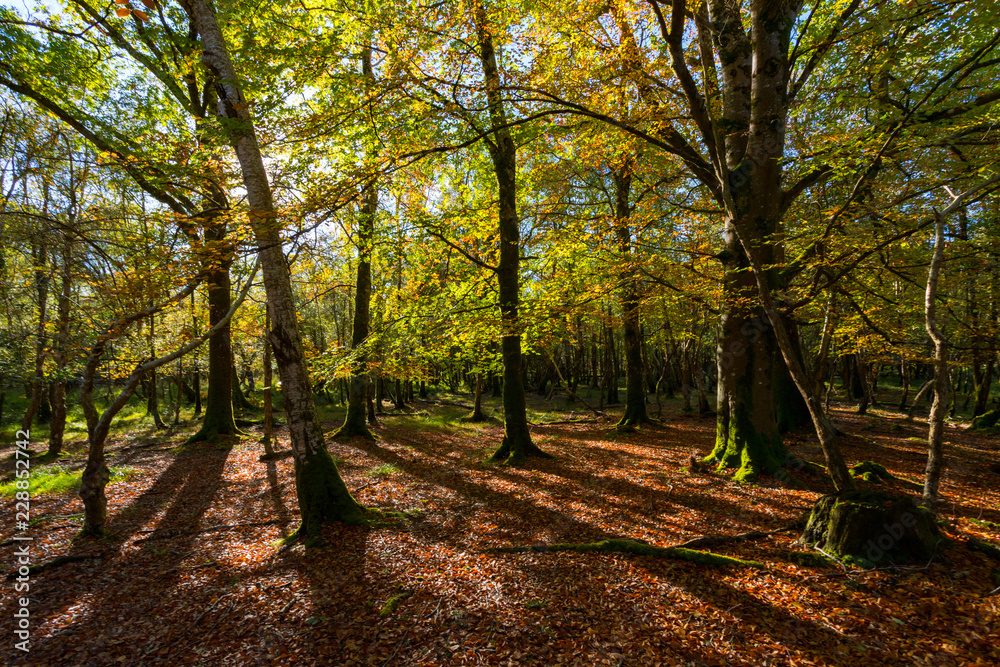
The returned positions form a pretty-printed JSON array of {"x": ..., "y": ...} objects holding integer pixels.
[{"x": 322, "y": 494}]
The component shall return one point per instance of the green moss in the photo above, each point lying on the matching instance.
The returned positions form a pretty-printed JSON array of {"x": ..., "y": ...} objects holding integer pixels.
[
  {"x": 393, "y": 602},
  {"x": 870, "y": 471},
  {"x": 986, "y": 421},
  {"x": 986, "y": 524},
  {"x": 620, "y": 545},
  {"x": 742, "y": 445},
  {"x": 871, "y": 527},
  {"x": 985, "y": 547},
  {"x": 807, "y": 558},
  {"x": 995, "y": 576}
]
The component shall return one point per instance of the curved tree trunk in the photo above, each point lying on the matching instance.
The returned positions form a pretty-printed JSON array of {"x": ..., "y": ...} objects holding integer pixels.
[{"x": 935, "y": 422}]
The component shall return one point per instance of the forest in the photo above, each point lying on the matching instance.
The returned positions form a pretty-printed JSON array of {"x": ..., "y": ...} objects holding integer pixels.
[{"x": 498, "y": 332}]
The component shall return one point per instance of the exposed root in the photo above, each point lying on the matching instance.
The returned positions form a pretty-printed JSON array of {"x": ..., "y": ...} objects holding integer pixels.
[
  {"x": 637, "y": 548},
  {"x": 55, "y": 562}
]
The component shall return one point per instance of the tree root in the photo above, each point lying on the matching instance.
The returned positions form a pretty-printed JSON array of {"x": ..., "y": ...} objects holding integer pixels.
[
  {"x": 55, "y": 562},
  {"x": 637, "y": 548}
]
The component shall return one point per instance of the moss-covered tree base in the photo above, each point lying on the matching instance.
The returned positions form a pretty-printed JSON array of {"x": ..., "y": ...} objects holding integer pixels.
[
  {"x": 633, "y": 418},
  {"x": 872, "y": 528},
  {"x": 740, "y": 445},
  {"x": 323, "y": 497},
  {"x": 355, "y": 424},
  {"x": 518, "y": 454},
  {"x": 347, "y": 431},
  {"x": 213, "y": 431},
  {"x": 637, "y": 548}
]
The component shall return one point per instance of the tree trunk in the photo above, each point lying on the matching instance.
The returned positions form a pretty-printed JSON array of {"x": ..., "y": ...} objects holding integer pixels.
[
  {"x": 60, "y": 353},
  {"x": 477, "y": 409},
  {"x": 357, "y": 397},
  {"x": 635, "y": 389},
  {"x": 152, "y": 394},
  {"x": 935, "y": 422},
  {"x": 219, "y": 419},
  {"x": 516, "y": 445},
  {"x": 322, "y": 494},
  {"x": 268, "y": 379},
  {"x": 42, "y": 298}
]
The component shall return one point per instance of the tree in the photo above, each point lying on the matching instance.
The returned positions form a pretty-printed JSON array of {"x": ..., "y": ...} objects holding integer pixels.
[{"x": 322, "y": 494}]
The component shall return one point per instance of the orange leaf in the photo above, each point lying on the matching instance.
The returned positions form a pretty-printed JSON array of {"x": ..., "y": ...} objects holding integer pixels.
[
  {"x": 122, "y": 12},
  {"x": 149, "y": 4},
  {"x": 141, "y": 15}
]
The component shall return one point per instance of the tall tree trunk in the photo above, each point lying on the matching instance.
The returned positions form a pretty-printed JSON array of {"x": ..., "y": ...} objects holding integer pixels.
[
  {"x": 322, "y": 494},
  {"x": 635, "y": 389},
  {"x": 355, "y": 423},
  {"x": 60, "y": 353},
  {"x": 152, "y": 394},
  {"x": 42, "y": 276},
  {"x": 685, "y": 374},
  {"x": 935, "y": 422},
  {"x": 516, "y": 444},
  {"x": 755, "y": 76},
  {"x": 268, "y": 405},
  {"x": 219, "y": 419}
]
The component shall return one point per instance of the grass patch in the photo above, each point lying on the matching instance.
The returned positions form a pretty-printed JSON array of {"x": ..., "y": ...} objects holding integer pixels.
[
  {"x": 382, "y": 471},
  {"x": 58, "y": 479}
]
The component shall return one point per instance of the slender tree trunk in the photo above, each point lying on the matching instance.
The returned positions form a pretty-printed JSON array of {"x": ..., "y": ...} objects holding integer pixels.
[
  {"x": 516, "y": 444},
  {"x": 322, "y": 494},
  {"x": 925, "y": 389},
  {"x": 152, "y": 394},
  {"x": 477, "y": 409},
  {"x": 935, "y": 422},
  {"x": 57, "y": 426},
  {"x": 42, "y": 299},
  {"x": 686, "y": 374},
  {"x": 268, "y": 379}
]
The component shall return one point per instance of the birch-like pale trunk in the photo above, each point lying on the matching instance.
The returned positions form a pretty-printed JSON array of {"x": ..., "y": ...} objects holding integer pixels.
[
  {"x": 322, "y": 494},
  {"x": 935, "y": 422}
]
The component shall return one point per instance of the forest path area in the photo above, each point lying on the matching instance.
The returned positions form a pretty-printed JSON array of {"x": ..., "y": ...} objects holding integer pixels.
[{"x": 194, "y": 573}]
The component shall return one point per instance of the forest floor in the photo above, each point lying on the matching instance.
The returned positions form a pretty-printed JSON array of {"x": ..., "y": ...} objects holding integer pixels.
[{"x": 194, "y": 573}]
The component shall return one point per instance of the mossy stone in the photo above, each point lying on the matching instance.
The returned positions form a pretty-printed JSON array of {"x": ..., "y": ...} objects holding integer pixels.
[{"x": 872, "y": 528}]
